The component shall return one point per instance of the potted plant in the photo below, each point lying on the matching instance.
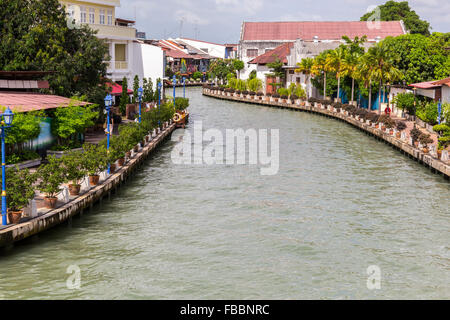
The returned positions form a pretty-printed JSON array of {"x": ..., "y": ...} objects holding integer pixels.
[
  {"x": 275, "y": 97},
  {"x": 424, "y": 140},
  {"x": 400, "y": 125},
  {"x": 94, "y": 161},
  {"x": 51, "y": 176},
  {"x": 19, "y": 184},
  {"x": 74, "y": 170},
  {"x": 415, "y": 134}
]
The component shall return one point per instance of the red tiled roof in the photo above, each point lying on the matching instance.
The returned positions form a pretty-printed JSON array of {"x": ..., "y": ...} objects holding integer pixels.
[
  {"x": 280, "y": 52},
  {"x": 445, "y": 81},
  {"x": 425, "y": 85},
  {"x": 172, "y": 50},
  {"x": 116, "y": 89},
  {"x": 25, "y": 102},
  {"x": 306, "y": 30}
]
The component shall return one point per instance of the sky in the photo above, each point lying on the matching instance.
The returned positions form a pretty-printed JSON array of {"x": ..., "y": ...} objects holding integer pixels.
[{"x": 220, "y": 21}]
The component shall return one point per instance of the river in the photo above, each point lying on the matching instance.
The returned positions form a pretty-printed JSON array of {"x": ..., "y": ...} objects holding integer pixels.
[{"x": 342, "y": 202}]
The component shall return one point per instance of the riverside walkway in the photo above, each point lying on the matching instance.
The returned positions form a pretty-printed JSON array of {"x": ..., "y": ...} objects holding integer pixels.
[
  {"x": 89, "y": 195},
  {"x": 405, "y": 146}
]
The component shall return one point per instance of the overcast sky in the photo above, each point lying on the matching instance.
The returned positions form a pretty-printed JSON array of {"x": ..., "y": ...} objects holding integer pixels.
[{"x": 220, "y": 20}]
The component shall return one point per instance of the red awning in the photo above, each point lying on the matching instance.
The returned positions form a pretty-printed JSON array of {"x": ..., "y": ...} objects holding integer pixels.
[
  {"x": 116, "y": 89},
  {"x": 425, "y": 85}
]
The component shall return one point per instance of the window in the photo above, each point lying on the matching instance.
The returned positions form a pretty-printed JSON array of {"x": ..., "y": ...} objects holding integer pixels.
[
  {"x": 120, "y": 52},
  {"x": 71, "y": 12},
  {"x": 252, "y": 52},
  {"x": 102, "y": 16},
  {"x": 110, "y": 17},
  {"x": 91, "y": 15},
  {"x": 83, "y": 14}
]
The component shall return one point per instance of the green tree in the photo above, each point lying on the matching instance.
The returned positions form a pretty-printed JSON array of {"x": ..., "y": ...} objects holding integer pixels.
[
  {"x": 26, "y": 126},
  {"x": 420, "y": 58},
  {"x": 238, "y": 65},
  {"x": 395, "y": 11},
  {"x": 19, "y": 184},
  {"x": 148, "y": 89},
  {"x": 74, "y": 119},
  {"x": 305, "y": 67},
  {"x": 320, "y": 66},
  {"x": 336, "y": 64},
  {"x": 34, "y": 35},
  {"x": 383, "y": 69},
  {"x": 124, "y": 99},
  {"x": 135, "y": 89}
]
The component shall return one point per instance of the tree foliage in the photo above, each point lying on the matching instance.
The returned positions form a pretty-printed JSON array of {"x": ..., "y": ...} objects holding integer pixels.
[
  {"x": 420, "y": 58},
  {"x": 72, "y": 120},
  {"x": 34, "y": 35},
  {"x": 395, "y": 11}
]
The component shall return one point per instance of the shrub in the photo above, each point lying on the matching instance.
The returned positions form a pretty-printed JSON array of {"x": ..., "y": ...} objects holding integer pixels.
[
  {"x": 283, "y": 92},
  {"x": 312, "y": 100},
  {"x": 275, "y": 95},
  {"x": 293, "y": 97},
  {"x": 401, "y": 125},
  {"x": 405, "y": 101},
  {"x": 428, "y": 112},
  {"x": 259, "y": 94},
  {"x": 415, "y": 134},
  {"x": 21, "y": 156},
  {"x": 254, "y": 84},
  {"x": 72, "y": 164},
  {"x": 51, "y": 176},
  {"x": 283, "y": 96},
  {"x": 197, "y": 75},
  {"x": 387, "y": 121},
  {"x": 181, "y": 103},
  {"x": 94, "y": 158},
  {"x": 19, "y": 184},
  {"x": 425, "y": 139},
  {"x": 372, "y": 116}
]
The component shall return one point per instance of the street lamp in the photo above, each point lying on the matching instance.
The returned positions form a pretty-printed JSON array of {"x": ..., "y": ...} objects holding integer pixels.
[
  {"x": 184, "y": 87},
  {"x": 6, "y": 122},
  {"x": 174, "y": 82},
  {"x": 108, "y": 103},
  {"x": 414, "y": 111},
  {"x": 140, "y": 93}
]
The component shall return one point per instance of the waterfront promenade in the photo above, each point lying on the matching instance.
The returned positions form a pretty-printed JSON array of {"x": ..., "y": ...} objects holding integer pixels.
[
  {"x": 71, "y": 206},
  {"x": 402, "y": 144}
]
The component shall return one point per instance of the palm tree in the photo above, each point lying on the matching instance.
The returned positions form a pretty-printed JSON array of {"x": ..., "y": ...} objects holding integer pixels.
[
  {"x": 383, "y": 69},
  {"x": 335, "y": 63},
  {"x": 351, "y": 61},
  {"x": 320, "y": 66},
  {"x": 364, "y": 72},
  {"x": 305, "y": 67}
]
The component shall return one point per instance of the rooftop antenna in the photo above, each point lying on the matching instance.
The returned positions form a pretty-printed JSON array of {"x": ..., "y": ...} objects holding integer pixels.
[{"x": 181, "y": 26}]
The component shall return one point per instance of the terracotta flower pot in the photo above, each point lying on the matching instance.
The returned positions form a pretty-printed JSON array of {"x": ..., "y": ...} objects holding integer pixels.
[
  {"x": 74, "y": 189},
  {"x": 136, "y": 148},
  {"x": 112, "y": 168},
  {"x": 121, "y": 161},
  {"x": 147, "y": 139},
  {"x": 15, "y": 216},
  {"x": 391, "y": 132},
  {"x": 93, "y": 180},
  {"x": 50, "y": 202},
  {"x": 416, "y": 143},
  {"x": 425, "y": 150},
  {"x": 398, "y": 135},
  {"x": 439, "y": 154},
  {"x": 383, "y": 128},
  {"x": 128, "y": 154}
]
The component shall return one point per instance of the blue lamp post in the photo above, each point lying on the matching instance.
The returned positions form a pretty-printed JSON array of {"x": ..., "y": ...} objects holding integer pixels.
[
  {"x": 174, "y": 82},
  {"x": 184, "y": 87},
  {"x": 140, "y": 93},
  {"x": 108, "y": 103},
  {"x": 6, "y": 122},
  {"x": 439, "y": 111},
  {"x": 159, "y": 101}
]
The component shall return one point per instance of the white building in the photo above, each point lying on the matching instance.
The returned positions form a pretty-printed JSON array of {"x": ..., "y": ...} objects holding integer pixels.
[{"x": 212, "y": 49}]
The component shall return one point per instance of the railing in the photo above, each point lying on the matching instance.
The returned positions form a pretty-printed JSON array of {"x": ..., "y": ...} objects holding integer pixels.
[{"x": 121, "y": 65}]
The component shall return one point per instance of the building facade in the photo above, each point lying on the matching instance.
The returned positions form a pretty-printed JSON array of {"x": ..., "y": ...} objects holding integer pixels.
[{"x": 119, "y": 34}]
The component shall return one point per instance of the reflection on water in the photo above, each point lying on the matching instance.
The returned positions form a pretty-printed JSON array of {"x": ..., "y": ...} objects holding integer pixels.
[{"x": 341, "y": 202}]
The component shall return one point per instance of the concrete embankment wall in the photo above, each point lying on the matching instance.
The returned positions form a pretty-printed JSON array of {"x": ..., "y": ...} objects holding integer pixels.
[
  {"x": 85, "y": 201},
  {"x": 426, "y": 159}
]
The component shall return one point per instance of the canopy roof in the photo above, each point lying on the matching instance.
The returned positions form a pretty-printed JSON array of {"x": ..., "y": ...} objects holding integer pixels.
[
  {"x": 280, "y": 52},
  {"x": 116, "y": 89},
  {"x": 26, "y": 102}
]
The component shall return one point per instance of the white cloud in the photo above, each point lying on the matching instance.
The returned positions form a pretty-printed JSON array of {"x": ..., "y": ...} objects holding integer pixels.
[
  {"x": 190, "y": 17},
  {"x": 248, "y": 6}
]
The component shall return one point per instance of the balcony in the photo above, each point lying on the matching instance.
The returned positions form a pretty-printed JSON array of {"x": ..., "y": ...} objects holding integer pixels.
[
  {"x": 108, "y": 31},
  {"x": 121, "y": 65}
]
